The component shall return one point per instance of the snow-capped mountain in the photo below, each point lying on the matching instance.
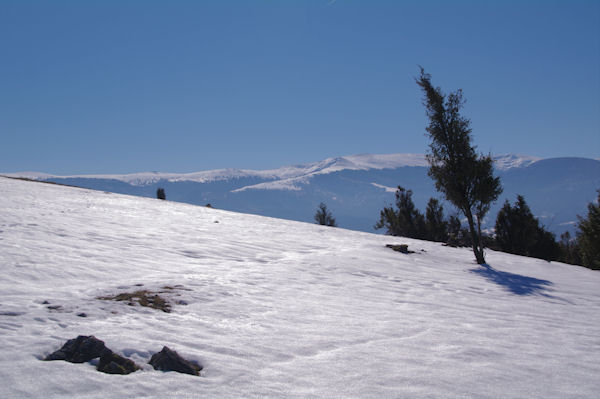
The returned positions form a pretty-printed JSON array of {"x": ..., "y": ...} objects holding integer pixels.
[
  {"x": 275, "y": 308},
  {"x": 286, "y": 173},
  {"x": 357, "y": 187}
]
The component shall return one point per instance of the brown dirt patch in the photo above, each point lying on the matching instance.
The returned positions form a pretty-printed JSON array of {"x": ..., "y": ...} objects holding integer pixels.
[{"x": 145, "y": 298}]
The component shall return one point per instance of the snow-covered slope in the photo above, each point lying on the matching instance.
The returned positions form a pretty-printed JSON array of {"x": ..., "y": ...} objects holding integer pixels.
[{"x": 278, "y": 308}]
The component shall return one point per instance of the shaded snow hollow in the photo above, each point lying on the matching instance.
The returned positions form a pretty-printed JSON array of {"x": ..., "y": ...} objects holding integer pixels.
[{"x": 276, "y": 308}]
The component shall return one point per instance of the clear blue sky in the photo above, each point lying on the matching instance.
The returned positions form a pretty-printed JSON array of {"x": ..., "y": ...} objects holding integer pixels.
[{"x": 179, "y": 86}]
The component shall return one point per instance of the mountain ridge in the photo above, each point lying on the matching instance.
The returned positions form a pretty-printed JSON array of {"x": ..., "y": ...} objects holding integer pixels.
[{"x": 328, "y": 165}]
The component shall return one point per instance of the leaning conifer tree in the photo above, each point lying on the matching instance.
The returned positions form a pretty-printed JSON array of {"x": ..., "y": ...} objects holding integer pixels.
[{"x": 465, "y": 178}]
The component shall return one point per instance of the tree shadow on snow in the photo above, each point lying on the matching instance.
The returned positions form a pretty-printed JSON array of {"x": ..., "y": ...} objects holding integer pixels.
[{"x": 515, "y": 283}]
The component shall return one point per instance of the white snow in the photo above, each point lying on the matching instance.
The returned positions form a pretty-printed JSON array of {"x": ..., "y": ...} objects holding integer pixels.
[
  {"x": 386, "y": 188},
  {"x": 509, "y": 161},
  {"x": 293, "y": 184},
  {"x": 287, "y": 177},
  {"x": 279, "y": 308}
]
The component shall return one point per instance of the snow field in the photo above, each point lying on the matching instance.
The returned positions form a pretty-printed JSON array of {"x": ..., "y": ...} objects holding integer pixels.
[{"x": 278, "y": 308}]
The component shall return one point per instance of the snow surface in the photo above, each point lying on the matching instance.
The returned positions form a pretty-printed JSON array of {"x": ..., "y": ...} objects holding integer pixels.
[
  {"x": 386, "y": 188},
  {"x": 278, "y": 308},
  {"x": 509, "y": 161}
]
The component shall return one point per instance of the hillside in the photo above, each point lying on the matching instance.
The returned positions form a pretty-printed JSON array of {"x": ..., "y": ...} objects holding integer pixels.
[{"x": 277, "y": 308}]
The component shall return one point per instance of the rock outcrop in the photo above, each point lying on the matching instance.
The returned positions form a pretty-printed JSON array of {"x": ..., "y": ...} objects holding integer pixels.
[
  {"x": 79, "y": 350},
  {"x": 111, "y": 363},
  {"x": 169, "y": 360}
]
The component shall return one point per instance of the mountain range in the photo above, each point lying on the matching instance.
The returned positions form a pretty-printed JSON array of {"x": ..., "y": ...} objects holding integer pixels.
[{"x": 355, "y": 188}]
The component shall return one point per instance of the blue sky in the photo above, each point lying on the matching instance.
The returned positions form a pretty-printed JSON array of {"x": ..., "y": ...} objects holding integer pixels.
[{"x": 181, "y": 86}]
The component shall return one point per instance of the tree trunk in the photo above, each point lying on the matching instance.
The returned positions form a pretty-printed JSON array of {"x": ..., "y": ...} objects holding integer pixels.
[{"x": 475, "y": 238}]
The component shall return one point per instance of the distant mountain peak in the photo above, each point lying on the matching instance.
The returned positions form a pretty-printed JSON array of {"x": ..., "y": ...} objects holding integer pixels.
[{"x": 509, "y": 161}]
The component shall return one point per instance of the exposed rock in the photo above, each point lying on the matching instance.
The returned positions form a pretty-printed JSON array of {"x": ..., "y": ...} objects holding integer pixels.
[
  {"x": 85, "y": 348},
  {"x": 169, "y": 360},
  {"x": 403, "y": 248},
  {"x": 79, "y": 350},
  {"x": 111, "y": 363},
  {"x": 82, "y": 314}
]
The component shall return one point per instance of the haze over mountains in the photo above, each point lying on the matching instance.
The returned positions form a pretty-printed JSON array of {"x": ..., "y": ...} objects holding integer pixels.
[{"x": 355, "y": 188}]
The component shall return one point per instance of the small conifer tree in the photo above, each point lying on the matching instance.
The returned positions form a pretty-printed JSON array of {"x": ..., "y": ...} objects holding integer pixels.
[
  {"x": 569, "y": 249},
  {"x": 160, "y": 194},
  {"x": 515, "y": 227},
  {"x": 405, "y": 220},
  {"x": 324, "y": 217},
  {"x": 458, "y": 236},
  {"x": 436, "y": 226},
  {"x": 588, "y": 236},
  {"x": 519, "y": 232}
]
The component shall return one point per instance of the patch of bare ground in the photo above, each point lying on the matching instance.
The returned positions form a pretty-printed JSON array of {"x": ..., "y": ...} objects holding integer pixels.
[{"x": 145, "y": 298}]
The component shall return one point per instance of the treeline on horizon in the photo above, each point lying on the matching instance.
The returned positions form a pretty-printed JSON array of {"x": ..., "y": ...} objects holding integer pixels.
[{"x": 516, "y": 231}]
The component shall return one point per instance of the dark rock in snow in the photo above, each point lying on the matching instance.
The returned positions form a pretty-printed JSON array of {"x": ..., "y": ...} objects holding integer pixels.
[
  {"x": 169, "y": 360},
  {"x": 111, "y": 363},
  {"x": 400, "y": 248},
  {"x": 79, "y": 350},
  {"x": 82, "y": 314}
]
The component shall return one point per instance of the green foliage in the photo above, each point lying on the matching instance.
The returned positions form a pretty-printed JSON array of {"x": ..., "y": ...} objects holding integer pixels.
[
  {"x": 465, "y": 179},
  {"x": 515, "y": 227},
  {"x": 405, "y": 220},
  {"x": 588, "y": 236},
  {"x": 519, "y": 232},
  {"x": 458, "y": 236},
  {"x": 160, "y": 194},
  {"x": 545, "y": 246},
  {"x": 324, "y": 217},
  {"x": 435, "y": 225},
  {"x": 569, "y": 249}
]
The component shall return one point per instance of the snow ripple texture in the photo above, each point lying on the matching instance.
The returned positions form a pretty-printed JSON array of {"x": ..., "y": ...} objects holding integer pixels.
[{"x": 276, "y": 308}]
